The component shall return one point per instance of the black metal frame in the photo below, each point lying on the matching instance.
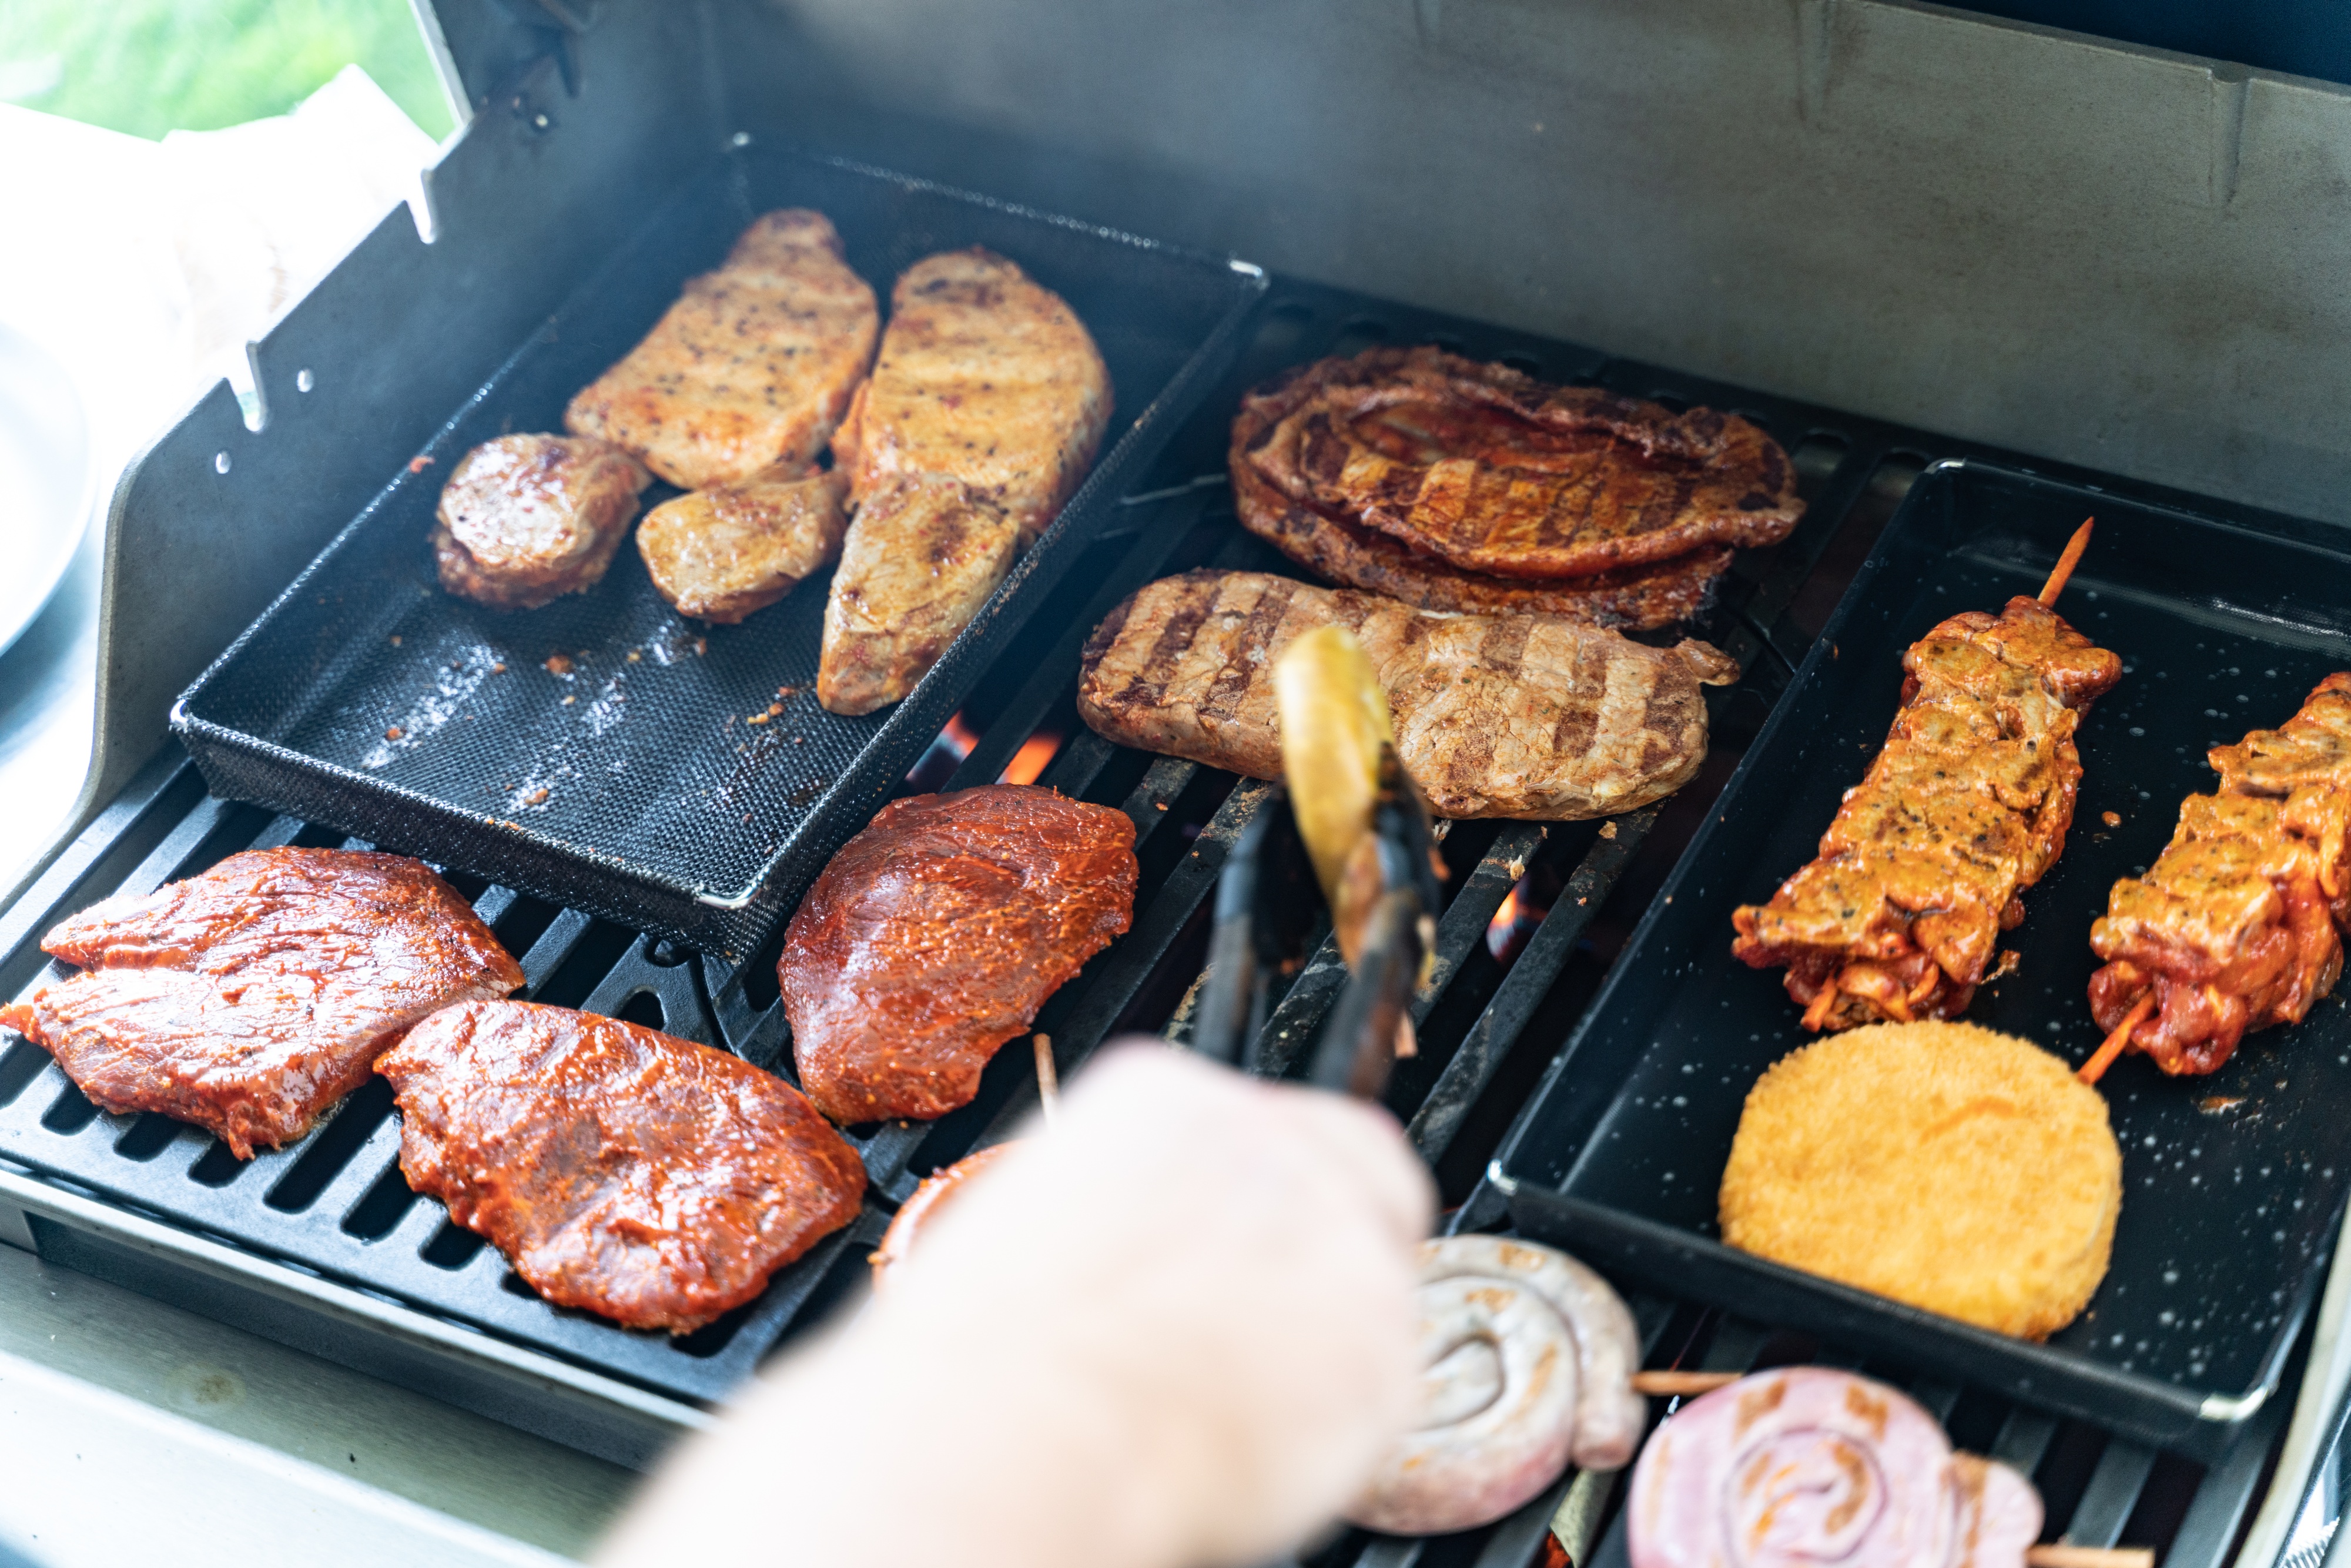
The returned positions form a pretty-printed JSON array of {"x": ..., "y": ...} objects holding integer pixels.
[{"x": 1487, "y": 1027}]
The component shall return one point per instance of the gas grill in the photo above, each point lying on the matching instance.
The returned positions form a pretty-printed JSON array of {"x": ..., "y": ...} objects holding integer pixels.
[{"x": 322, "y": 1246}]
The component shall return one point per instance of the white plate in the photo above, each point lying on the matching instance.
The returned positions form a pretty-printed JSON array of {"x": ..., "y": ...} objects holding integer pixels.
[{"x": 43, "y": 479}]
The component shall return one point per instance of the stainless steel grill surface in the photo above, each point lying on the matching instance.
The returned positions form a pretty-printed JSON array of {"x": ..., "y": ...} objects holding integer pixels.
[{"x": 322, "y": 1245}]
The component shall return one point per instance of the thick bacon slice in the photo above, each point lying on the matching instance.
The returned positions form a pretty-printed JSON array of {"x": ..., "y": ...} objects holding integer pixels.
[
  {"x": 2237, "y": 925},
  {"x": 1493, "y": 472},
  {"x": 1965, "y": 808}
]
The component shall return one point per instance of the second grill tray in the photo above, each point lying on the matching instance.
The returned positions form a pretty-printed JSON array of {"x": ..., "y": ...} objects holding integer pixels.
[
  {"x": 2233, "y": 1185},
  {"x": 603, "y": 751}
]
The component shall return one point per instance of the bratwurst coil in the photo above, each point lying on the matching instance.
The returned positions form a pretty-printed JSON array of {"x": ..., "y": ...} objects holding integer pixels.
[
  {"x": 1528, "y": 1360},
  {"x": 1807, "y": 1466}
]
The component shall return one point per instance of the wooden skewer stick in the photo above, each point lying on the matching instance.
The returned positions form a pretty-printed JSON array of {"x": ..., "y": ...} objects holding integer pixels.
[
  {"x": 2066, "y": 563},
  {"x": 2090, "y": 1556},
  {"x": 1672, "y": 1384},
  {"x": 1049, "y": 1079},
  {"x": 2103, "y": 1057}
]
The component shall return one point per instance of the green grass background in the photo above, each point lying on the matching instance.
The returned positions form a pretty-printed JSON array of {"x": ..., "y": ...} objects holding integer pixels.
[{"x": 147, "y": 67}]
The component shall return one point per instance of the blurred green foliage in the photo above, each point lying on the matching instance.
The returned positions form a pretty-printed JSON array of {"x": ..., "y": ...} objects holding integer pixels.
[{"x": 147, "y": 67}]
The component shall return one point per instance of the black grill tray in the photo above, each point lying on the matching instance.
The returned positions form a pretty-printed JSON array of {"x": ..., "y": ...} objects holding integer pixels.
[
  {"x": 2228, "y": 1214},
  {"x": 662, "y": 806}
]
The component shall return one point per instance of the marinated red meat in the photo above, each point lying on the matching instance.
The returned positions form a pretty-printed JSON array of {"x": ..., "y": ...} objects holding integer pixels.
[
  {"x": 251, "y": 998},
  {"x": 650, "y": 1179},
  {"x": 936, "y": 934}
]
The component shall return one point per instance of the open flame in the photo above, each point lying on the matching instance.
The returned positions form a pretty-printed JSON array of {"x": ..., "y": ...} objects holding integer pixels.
[{"x": 1027, "y": 764}]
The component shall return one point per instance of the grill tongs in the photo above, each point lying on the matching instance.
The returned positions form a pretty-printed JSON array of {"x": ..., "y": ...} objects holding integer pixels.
[{"x": 1349, "y": 812}]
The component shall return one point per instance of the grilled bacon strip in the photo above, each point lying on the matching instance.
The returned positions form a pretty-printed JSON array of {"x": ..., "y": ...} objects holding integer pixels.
[
  {"x": 2237, "y": 926},
  {"x": 1965, "y": 808}
]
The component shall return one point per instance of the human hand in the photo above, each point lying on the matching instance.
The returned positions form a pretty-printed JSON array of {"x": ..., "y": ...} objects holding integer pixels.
[{"x": 1176, "y": 1331}]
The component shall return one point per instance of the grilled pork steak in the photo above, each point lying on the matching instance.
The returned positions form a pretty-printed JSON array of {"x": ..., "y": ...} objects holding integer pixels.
[
  {"x": 983, "y": 377},
  {"x": 650, "y": 1179},
  {"x": 525, "y": 519},
  {"x": 935, "y": 935},
  {"x": 1635, "y": 597},
  {"x": 923, "y": 556},
  {"x": 985, "y": 409},
  {"x": 1494, "y": 472},
  {"x": 249, "y": 998},
  {"x": 721, "y": 553},
  {"x": 752, "y": 367},
  {"x": 1495, "y": 715}
]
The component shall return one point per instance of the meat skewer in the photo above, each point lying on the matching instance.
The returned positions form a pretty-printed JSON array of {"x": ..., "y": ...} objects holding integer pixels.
[
  {"x": 1965, "y": 808},
  {"x": 1806, "y": 1464},
  {"x": 2237, "y": 926}
]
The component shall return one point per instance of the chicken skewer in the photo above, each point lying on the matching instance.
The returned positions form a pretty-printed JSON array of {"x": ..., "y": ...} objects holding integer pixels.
[
  {"x": 1965, "y": 808},
  {"x": 2237, "y": 926}
]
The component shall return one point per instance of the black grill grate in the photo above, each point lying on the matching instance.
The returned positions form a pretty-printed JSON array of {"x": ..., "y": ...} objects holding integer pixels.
[{"x": 1500, "y": 1002}]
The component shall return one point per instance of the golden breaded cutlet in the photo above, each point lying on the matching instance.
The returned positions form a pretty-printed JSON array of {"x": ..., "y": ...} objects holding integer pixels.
[{"x": 1942, "y": 1164}]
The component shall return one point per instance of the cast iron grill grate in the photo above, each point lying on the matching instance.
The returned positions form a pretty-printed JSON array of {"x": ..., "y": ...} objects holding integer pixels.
[{"x": 1535, "y": 914}]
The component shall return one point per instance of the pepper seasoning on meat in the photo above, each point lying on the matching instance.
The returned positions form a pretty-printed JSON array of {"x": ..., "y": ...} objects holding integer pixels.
[{"x": 1966, "y": 807}]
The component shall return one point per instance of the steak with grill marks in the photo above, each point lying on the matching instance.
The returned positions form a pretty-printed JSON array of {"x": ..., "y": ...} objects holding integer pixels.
[
  {"x": 249, "y": 998},
  {"x": 1639, "y": 598},
  {"x": 1492, "y": 471},
  {"x": 620, "y": 1170},
  {"x": 980, "y": 421},
  {"x": 935, "y": 935},
  {"x": 752, "y": 367},
  {"x": 1495, "y": 715}
]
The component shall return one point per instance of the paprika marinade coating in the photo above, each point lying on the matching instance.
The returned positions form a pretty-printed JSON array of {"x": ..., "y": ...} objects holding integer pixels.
[{"x": 2237, "y": 926}]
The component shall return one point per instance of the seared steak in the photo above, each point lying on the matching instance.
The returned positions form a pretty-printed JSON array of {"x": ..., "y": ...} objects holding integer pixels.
[
  {"x": 922, "y": 557},
  {"x": 982, "y": 377},
  {"x": 528, "y": 519},
  {"x": 249, "y": 998},
  {"x": 1492, "y": 471},
  {"x": 752, "y": 367},
  {"x": 722, "y": 552},
  {"x": 936, "y": 934},
  {"x": 1495, "y": 715},
  {"x": 982, "y": 417},
  {"x": 650, "y": 1179},
  {"x": 1634, "y": 597}
]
